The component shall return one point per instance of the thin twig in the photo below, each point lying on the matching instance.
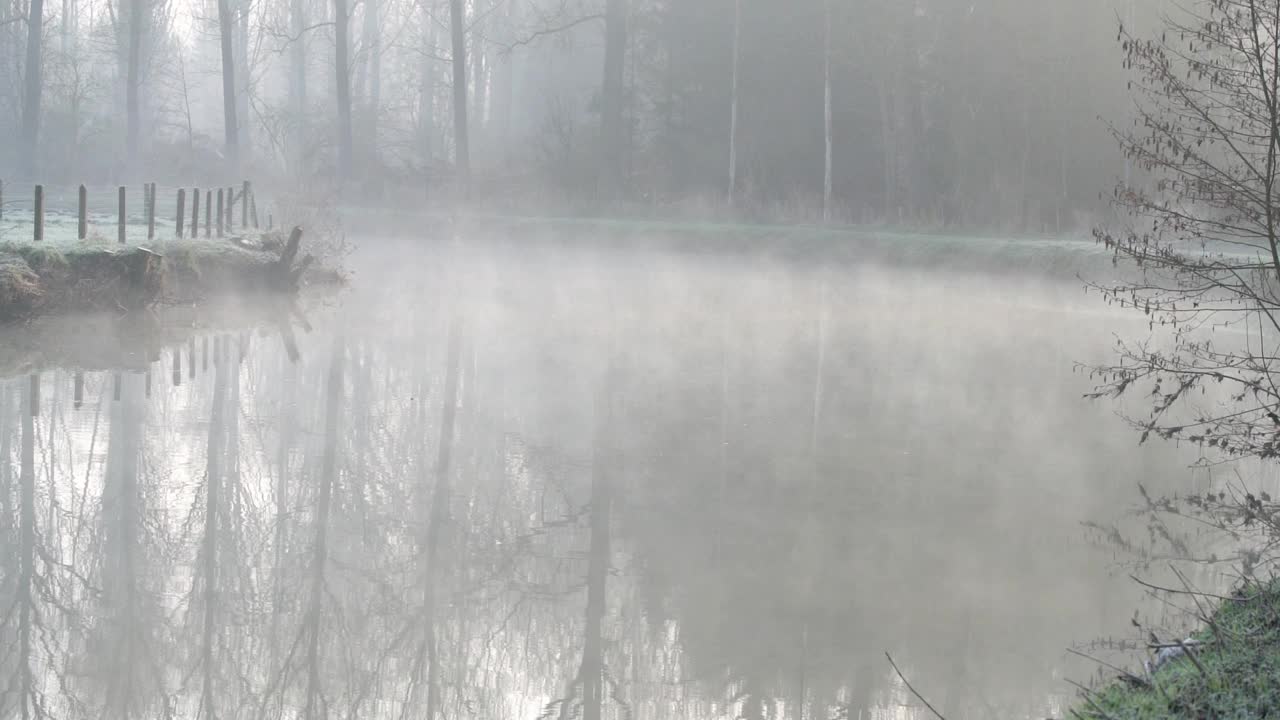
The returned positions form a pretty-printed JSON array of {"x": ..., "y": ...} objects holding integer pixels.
[
  {"x": 1104, "y": 663},
  {"x": 913, "y": 690},
  {"x": 1088, "y": 697}
]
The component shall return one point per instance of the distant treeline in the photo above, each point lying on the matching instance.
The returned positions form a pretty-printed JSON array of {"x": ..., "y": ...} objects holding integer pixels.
[{"x": 958, "y": 113}]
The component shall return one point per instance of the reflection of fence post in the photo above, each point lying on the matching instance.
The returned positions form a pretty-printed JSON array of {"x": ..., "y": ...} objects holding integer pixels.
[
  {"x": 120, "y": 222},
  {"x": 208, "y": 213},
  {"x": 195, "y": 213},
  {"x": 151, "y": 211},
  {"x": 182, "y": 211},
  {"x": 244, "y": 206},
  {"x": 220, "y": 218},
  {"x": 39, "y": 213},
  {"x": 82, "y": 213}
]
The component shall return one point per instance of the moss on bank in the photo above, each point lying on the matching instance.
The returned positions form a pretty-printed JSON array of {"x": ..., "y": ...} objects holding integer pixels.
[
  {"x": 1234, "y": 673},
  {"x": 41, "y": 278}
]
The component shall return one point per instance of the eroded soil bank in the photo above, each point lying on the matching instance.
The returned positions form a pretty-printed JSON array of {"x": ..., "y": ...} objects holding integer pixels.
[{"x": 66, "y": 277}]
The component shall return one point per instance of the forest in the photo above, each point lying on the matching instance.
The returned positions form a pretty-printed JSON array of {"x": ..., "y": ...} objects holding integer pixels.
[{"x": 983, "y": 114}]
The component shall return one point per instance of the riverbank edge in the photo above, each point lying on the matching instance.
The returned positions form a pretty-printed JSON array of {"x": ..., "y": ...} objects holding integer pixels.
[
  {"x": 1229, "y": 670},
  {"x": 38, "y": 278}
]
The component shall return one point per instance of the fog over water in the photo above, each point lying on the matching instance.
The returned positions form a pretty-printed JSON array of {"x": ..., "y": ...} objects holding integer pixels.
[{"x": 723, "y": 485}]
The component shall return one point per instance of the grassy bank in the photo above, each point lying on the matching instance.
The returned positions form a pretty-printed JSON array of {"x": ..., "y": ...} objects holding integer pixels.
[
  {"x": 1232, "y": 669},
  {"x": 69, "y": 276}
]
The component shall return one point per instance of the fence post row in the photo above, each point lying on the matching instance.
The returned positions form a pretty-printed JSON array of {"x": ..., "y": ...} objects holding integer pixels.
[
  {"x": 39, "y": 214},
  {"x": 82, "y": 214},
  {"x": 195, "y": 213}
]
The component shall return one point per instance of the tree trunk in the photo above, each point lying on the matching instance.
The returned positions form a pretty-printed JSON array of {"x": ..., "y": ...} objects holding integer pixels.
[
  {"x": 733, "y": 102},
  {"x": 132, "y": 121},
  {"x": 611, "y": 97},
  {"x": 209, "y": 548},
  {"x": 438, "y": 514},
  {"x": 502, "y": 90},
  {"x": 33, "y": 83},
  {"x": 298, "y": 79},
  {"x": 320, "y": 550},
  {"x": 230, "y": 126},
  {"x": 427, "y": 84},
  {"x": 27, "y": 556},
  {"x": 461, "y": 149},
  {"x": 373, "y": 79},
  {"x": 242, "y": 93},
  {"x": 598, "y": 558},
  {"x": 826, "y": 107},
  {"x": 342, "y": 70}
]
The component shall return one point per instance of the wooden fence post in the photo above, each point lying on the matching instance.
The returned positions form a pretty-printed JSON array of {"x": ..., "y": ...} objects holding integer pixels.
[
  {"x": 120, "y": 221},
  {"x": 39, "y": 213},
  {"x": 208, "y": 213},
  {"x": 82, "y": 213},
  {"x": 151, "y": 212},
  {"x": 220, "y": 211},
  {"x": 195, "y": 213},
  {"x": 182, "y": 211},
  {"x": 79, "y": 389},
  {"x": 253, "y": 209},
  {"x": 177, "y": 365},
  {"x": 231, "y": 203},
  {"x": 244, "y": 206}
]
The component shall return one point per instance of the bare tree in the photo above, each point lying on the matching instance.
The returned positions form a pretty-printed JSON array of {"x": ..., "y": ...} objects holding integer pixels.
[
  {"x": 461, "y": 149},
  {"x": 342, "y": 72},
  {"x": 733, "y": 102},
  {"x": 826, "y": 109},
  {"x": 1204, "y": 228},
  {"x": 137, "y": 13},
  {"x": 612, "y": 93},
  {"x": 229, "y": 114},
  {"x": 33, "y": 84}
]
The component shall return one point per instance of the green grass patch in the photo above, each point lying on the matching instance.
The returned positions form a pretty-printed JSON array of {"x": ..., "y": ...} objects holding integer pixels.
[{"x": 1235, "y": 672}]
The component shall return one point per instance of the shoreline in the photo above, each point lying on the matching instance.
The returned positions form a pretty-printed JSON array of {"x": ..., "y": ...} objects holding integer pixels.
[{"x": 64, "y": 277}]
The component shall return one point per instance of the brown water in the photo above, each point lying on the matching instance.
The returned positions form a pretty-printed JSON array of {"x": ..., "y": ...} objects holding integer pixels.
[{"x": 552, "y": 481}]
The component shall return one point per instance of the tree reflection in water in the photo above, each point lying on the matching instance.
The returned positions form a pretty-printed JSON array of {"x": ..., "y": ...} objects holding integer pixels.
[{"x": 652, "y": 488}]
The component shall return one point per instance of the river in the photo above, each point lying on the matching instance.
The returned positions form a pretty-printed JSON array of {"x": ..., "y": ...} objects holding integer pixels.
[{"x": 521, "y": 479}]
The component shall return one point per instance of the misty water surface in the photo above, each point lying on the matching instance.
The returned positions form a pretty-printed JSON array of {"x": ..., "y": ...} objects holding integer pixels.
[{"x": 723, "y": 485}]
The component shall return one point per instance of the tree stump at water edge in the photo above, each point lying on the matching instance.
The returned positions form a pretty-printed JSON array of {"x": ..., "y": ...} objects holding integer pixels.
[
  {"x": 143, "y": 279},
  {"x": 283, "y": 275}
]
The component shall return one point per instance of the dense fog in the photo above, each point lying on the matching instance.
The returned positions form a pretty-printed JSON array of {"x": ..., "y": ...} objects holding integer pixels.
[
  {"x": 960, "y": 113},
  {"x": 722, "y": 493},
  {"x": 638, "y": 359}
]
